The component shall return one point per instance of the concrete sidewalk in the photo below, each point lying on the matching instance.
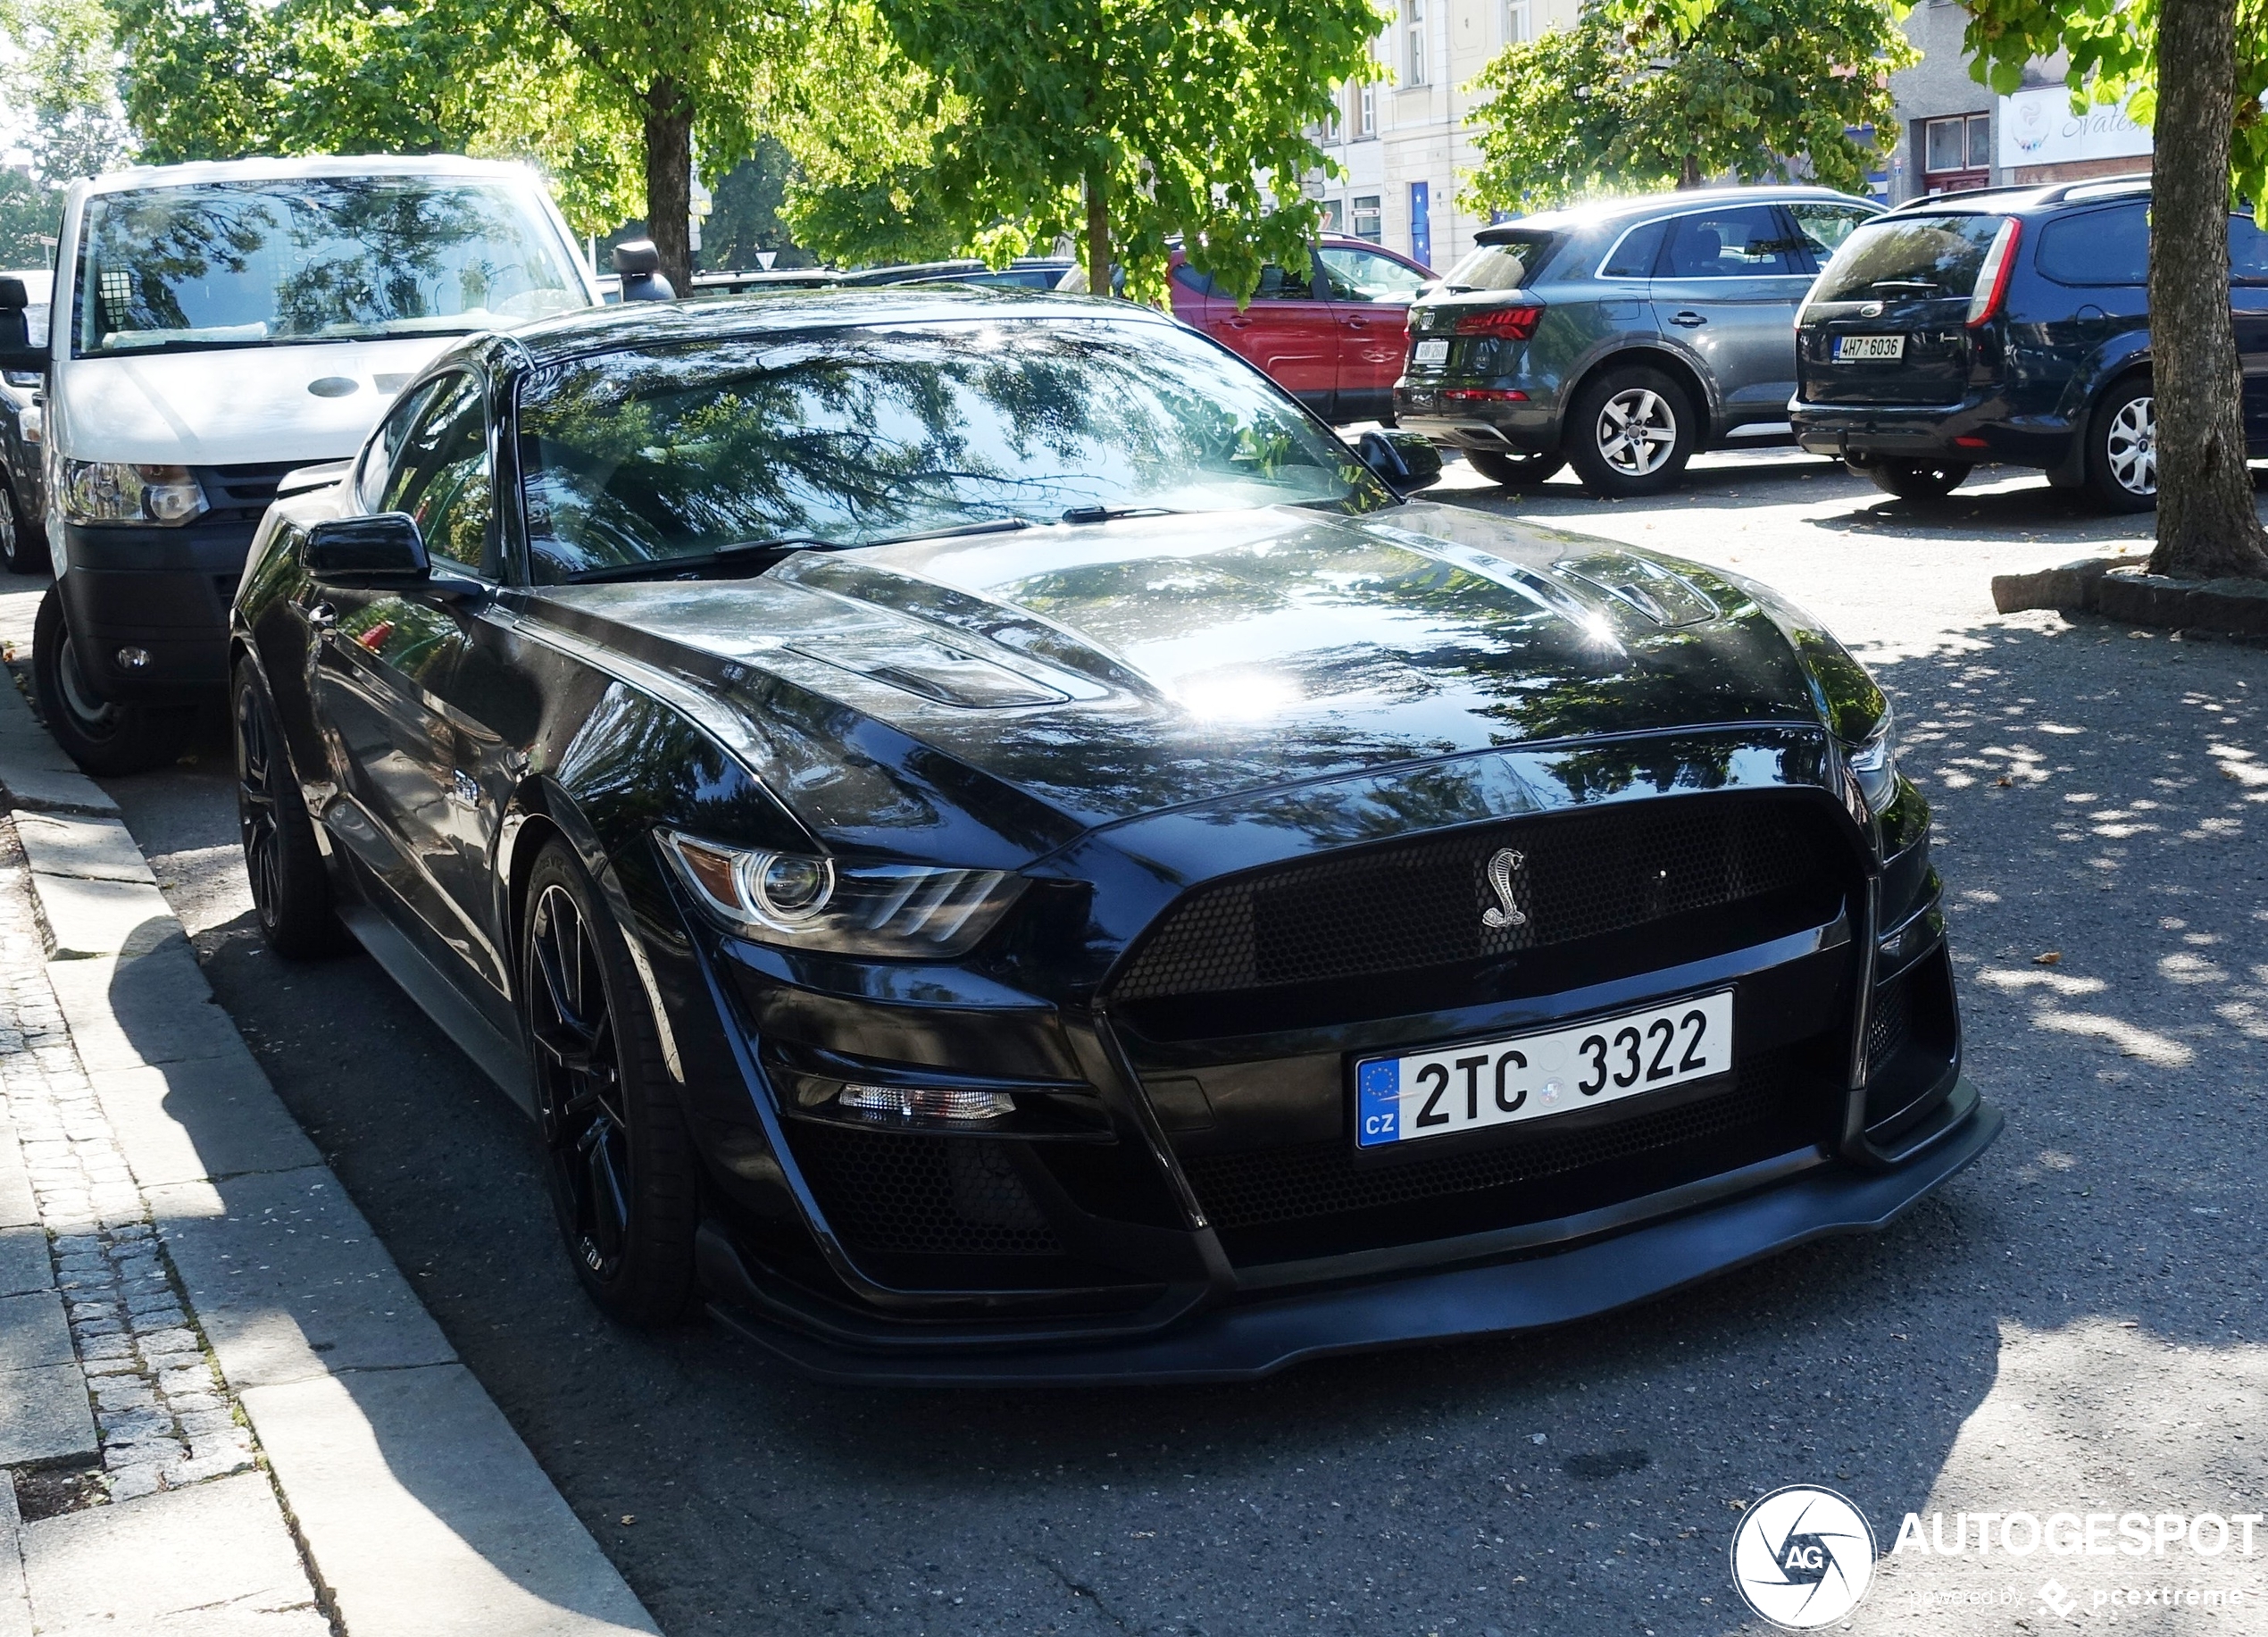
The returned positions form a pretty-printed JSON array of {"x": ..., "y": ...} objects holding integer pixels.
[{"x": 221, "y": 1407}]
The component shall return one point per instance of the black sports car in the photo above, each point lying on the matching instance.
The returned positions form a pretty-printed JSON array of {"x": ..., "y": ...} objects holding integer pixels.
[{"x": 995, "y": 847}]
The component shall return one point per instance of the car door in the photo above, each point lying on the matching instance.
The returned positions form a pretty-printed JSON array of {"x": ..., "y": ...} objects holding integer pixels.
[
  {"x": 1288, "y": 330},
  {"x": 2248, "y": 305},
  {"x": 385, "y": 667},
  {"x": 1725, "y": 293},
  {"x": 1369, "y": 294}
]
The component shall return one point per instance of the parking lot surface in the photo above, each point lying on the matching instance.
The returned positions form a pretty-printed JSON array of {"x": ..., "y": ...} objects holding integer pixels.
[{"x": 2076, "y": 1325}]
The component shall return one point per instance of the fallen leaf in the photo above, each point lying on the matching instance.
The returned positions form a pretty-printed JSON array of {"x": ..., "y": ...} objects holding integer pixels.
[
  {"x": 2054, "y": 957},
  {"x": 629, "y": 1518},
  {"x": 2003, "y": 782}
]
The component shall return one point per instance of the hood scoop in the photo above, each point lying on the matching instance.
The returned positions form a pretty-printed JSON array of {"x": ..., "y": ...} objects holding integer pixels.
[
  {"x": 933, "y": 670},
  {"x": 1661, "y": 594}
]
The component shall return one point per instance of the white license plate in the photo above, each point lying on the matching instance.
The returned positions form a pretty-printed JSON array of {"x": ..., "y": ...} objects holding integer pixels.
[
  {"x": 1534, "y": 1076},
  {"x": 1432, "y": 351},
  {"x": 1854, "y": 349}
]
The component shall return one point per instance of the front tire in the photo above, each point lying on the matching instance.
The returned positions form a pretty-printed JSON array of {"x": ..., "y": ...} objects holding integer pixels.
[
  {"x": 103, "y": 738},
  {"x": 1630, "y": 432},
  {"x": 1914, "y": 479},
  {"x": 620, "y": 1161},
  {"x": 2123, "y": 449},
  {"x": 23, "y": 544},
  {"x": 290, "y": 892},
  {"x": 1515, "y": 470}
]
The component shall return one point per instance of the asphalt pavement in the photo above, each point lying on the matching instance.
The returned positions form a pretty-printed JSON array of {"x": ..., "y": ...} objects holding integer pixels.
[{"x": 2076, "y": 1325}]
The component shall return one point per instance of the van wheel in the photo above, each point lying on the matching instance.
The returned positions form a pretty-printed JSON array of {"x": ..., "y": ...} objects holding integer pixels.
[
  {"x": 1515, "y": 470},
  {"x": 103, "y": 738},
  {"x": 23, "y": 545},
  {"x": 1914, "y": 479},
  {"x": 1630, "y": 432},
  {"x": 2123, "y": 449}
]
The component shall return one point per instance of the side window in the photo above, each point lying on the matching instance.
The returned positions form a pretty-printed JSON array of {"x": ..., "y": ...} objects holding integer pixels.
[
  {"x": 2248, "y": 251},
  {"x": 1364, "y": 275},
  {"x": 1746, "y": 243},
  {"x": 1189, "y": 278},
  {"x": 1276, "y": 285},
  {"x": 1825, "y": 226},
  {"x": 1635, "y": 256},
  {"x": 2098, "y": 246},
  {"x": 384, "y": 449},
  {"x": 441, "y": 477}
]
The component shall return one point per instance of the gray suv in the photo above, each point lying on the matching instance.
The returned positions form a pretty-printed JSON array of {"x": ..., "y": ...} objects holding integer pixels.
[{"x": 1621, "y": 336}]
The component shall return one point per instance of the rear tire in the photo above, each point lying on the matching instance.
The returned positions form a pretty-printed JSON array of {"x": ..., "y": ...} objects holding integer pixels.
[
  {"x": 1914, "y": 479},
  {"x": 621, "y": 1167},
  {"x": 23, "y": 544},
  {"x": 1515, "y": 470},
  {"x": 1630, "y": 432},
  {"x": 291, "y": 891},
  {"x": 106, "y": 740},
  {"x": 2122, "y": 448}
]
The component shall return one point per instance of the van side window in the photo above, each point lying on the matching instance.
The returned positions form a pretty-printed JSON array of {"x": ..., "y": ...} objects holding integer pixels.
[
  {"x": 2098, "y": 246},
  {"x": 384, "y": 449},
  {"x": 441, "y": 477}
]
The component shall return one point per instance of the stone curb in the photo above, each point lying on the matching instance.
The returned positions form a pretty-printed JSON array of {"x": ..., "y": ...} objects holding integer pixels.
[
  {"x": 418, "y": 1508},
  {"x": 2120, "y": 588}
]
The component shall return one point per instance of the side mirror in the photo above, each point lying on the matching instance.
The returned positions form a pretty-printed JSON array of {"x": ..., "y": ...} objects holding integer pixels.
[
  {"x": 16, "y": 350},
  {"x": 384, "y": 550},
  {"x": 13, "y": 296},
  {"x": 1406, "y": 462}
]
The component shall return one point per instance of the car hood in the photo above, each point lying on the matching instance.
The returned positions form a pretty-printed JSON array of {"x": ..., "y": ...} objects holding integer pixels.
[
  {"x": 1105, "y": 672},
  {"x": 232, "y": 406}
]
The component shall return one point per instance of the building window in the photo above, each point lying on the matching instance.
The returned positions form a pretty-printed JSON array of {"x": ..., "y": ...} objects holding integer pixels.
[
  {"x": 1520, "y": 21},
  {"x": 1369, "y": 222},
  {"x": 1366, "y": 121},
  {"x": 1413, "y": 31},
  {"x": 1334, "y": 216},
  {"x": 1956, "y": 153}
]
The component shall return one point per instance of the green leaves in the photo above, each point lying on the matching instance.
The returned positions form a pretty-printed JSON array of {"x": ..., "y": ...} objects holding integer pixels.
[{"x": 1646, "y": 93}]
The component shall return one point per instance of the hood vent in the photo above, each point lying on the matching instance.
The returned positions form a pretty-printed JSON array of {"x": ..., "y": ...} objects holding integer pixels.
[
  {"x": 1661, "y": 594},
  {"x": 934, "y": 670}
]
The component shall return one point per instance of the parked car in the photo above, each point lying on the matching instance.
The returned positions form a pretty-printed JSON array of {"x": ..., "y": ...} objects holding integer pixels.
[
  {"x": 2009, "y": 324},
  {"x": 23, "y": 533},
  {"x": 1030, "y": 272},
  {"x": 1624, "y": 337},
  {"x": 1064, "y": 873},
  {"x": 1332, "y": 337},
  {"x": 291, "y": 300}
]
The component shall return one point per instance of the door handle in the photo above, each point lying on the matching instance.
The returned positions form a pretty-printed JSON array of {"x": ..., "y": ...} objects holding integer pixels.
[
  {"x": 322, "y": 616},
  {"x": 1238, "y": 322},
  {"x": 1688, "y": 320}
]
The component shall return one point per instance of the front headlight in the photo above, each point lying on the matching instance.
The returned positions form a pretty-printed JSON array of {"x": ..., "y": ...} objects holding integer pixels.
[
  {"x": 115, "y": 492},
  {"x": 807, "y": 902},
  {"x": 1874, "y": 765}
]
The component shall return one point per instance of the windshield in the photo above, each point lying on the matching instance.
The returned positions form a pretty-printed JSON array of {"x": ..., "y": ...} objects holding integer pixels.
[
  {"x": 315, "y": 259},
  {"x": 1906, "y": 257},
  {"x": 854, "y": 436},
  {"x": 1503, "y": 264}
]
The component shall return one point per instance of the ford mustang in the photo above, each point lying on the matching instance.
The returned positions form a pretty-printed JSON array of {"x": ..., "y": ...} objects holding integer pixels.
[{"x": 993, "y": 847}]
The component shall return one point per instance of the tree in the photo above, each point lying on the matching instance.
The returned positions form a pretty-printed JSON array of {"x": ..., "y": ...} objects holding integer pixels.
[
  {"x": 60, "y": 86},
  {"x": 745, "y": 221},
  {"x": 991, "y": 125},
  {"x": 1646, "y": 93},
  {"x": 2197, "y": 70},
  {"x": 30, "y": 212}
]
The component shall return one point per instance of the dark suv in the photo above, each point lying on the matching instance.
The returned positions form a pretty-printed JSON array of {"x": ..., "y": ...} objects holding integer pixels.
[
  {"x": 1621, "y": 336},
  {"x": 2008, "y": 324}
]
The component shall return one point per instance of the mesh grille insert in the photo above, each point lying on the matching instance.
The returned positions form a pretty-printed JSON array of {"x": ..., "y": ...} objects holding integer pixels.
[
  {"x": 916, "y": 1193},
  {"x": 1890, "y": 1025},
  {"x": 1419, "y": 903}
]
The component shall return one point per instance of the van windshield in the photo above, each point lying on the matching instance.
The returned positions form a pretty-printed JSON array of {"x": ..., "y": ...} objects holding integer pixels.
[
  {"x": 1898, "y": 258},
  {"x": 214, "y": 264}
]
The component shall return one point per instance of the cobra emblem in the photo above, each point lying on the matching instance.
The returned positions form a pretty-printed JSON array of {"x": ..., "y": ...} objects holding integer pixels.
[{"x": 1507, "y": 911}]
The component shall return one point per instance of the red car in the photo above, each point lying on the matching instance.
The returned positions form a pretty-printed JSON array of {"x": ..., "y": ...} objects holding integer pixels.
[{"x": 1334, "y": 340}]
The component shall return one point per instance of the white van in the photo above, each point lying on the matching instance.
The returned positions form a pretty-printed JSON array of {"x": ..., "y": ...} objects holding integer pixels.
[{"x": 213, "y": 327}]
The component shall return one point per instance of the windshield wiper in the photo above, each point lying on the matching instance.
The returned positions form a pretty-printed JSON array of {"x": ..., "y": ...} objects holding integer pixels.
[
  {"x": 1112, "y": 514},
  {"x": 735, "y": 556},
  {"x": 990, "y": 525}
]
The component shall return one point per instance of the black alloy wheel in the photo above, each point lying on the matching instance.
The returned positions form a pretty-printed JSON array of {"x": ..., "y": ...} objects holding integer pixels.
[
  {"x": 290, "y": 892},
  {"x": 2122, "y": 448},
  {"x": 1630, "y": 433},
  {"x": 1515, "y": 470},
  {"x": 1912, "y": 479},
  {"x": 102, "y": 737},
  {"x": 23, "y": 547},
  {"x": 619, "y": 1160}
]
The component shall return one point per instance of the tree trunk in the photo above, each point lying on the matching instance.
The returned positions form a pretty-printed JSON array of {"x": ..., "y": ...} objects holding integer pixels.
[
  {"x": 2207, "y": 525},
  {"x": 1098, "y": 236},
  {"x": 669, "y": 178},
  {"x": 1690, "y": 173}
]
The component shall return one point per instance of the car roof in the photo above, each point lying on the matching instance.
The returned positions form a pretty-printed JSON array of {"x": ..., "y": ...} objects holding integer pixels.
[
  {"x": 730, "y": 317},
  {"x": 2010, "y": 200},
  {"x": 135, "y": 177},
  {"x": 1590, "y": 213}
]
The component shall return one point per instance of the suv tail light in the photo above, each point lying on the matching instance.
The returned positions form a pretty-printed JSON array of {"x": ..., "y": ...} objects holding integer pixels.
[
  {"x": 1992, "y": 276},
  {"x": 1501, "y": 323}
]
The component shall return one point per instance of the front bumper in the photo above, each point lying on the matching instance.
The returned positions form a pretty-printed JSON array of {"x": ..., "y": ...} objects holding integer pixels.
[
  {"x": 165, "y": 591},
  {"x": 1790, "y": 1202}
]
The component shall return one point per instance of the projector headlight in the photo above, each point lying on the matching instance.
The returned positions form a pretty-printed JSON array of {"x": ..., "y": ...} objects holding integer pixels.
[
  {"x": 117, "y": 492},
  {"x": 810, "y": 902}
]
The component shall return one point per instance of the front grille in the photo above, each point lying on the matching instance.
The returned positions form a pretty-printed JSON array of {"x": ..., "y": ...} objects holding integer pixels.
[
  {"x": 918, "y": 1194},
  {"x": 1418, "y": 904},
  {"x": 1890, "y": 1025},
  {"x": 239, "y": 493}
]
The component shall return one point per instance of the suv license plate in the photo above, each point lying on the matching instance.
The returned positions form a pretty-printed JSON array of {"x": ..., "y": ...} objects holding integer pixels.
[
  {"x": 1854, "y": 349},
  {"x": 1533, "y": 1076},
  {"x": 1432, "y": 353}
]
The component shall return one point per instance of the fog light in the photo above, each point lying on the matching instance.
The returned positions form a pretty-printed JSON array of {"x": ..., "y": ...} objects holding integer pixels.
[
  {"x": 928, "y": 1102},
  {"x": 134, "y": 659}
]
